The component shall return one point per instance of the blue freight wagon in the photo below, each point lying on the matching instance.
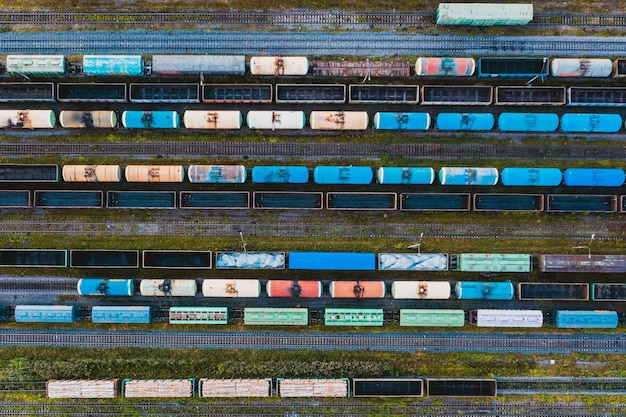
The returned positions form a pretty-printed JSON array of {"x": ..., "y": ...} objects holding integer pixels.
[
  {"x": 405, "y": 175},
  {"x": 594, "y": 177},
  {"x": 46, "y": 314},
  {"x": 108, "y": 287},
  {"x": 531, "y": 177},
  {"x": 113, "y": 65},
  {"x": 280, "y": 174},
  {"x": 582, "y": 319},
  {"x": 468, "y": 176},
  {"x": 472, "y": 290},
  {"x": 402, "y": 121},
  {"x": 121, "y": 314},
  {"x": 465, "y": 121},
  {"x": 332, "y": 261},
  {"x": 160, "y": 119},
  {"x": 528, "y": 122},
  {"x": 343, "y": 175},
  {"x": 591, "y": 122}
]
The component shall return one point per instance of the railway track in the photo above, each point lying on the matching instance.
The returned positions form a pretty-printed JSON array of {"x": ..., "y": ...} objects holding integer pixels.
[
  {"x": 167, "y": 227},
  {"x": 400, "y": 342},
  {"x": 309, "y": 43},
  {"x": 244, "y": 150},
  {"x": 301, "y": 408},
  {"x": 287, "y": 19}
]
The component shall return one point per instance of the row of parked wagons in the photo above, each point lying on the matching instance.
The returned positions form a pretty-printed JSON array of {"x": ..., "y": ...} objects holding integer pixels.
[
  {"x": 267, "y": 387},
  {"x": 318, "y": 120}
]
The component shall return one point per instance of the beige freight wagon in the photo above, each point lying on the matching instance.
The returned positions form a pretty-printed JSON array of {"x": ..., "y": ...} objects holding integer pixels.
[
  {"x": 158, "y": 388},
  {"x": 261, "y": 387},
  {"x": 83, "y": 388}
]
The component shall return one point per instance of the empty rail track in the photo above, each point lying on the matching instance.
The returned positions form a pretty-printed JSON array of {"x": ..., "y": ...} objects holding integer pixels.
[
  {"x": 344, "y": 408},
  {"x": 310, "y": 43},
  {"x": 400, "y": 342},
  {"x": 202, "y": 150},
  {"x": 287, "y": 19}
]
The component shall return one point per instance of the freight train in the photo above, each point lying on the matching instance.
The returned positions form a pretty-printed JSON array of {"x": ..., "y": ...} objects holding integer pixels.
[
  {"x": 301, "y": 316},
  {"x": 268, "y": 387},
  {"x": 181, "y": 65}
]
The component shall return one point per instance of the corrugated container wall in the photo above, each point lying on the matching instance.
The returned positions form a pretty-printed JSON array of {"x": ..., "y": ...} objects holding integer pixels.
[
  {"x": 484, "y": 14},
  {"x": 198, "y": 64}
]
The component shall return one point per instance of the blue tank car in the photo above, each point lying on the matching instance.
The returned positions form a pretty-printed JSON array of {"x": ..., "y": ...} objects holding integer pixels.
[
  {"x": 280, "y": 174},
  {"x": 471, "y": 290},
  {"x": 531, "y": 177},
  {"x": 401, "y": 121},
  {"x": 465, "y": 121},
  {"x": 108, "y": 287},
  {"x": 528, "y": 122},
  {"x": 468, "y": 176},
  {"x": 405, "y": 175},
  {"x": 581, "y": 319},
  {"x": 134, "y": 119},
  {"x": 113, "y": 65},
  {"x": 343, "y": 175},
  {"x": 594, "y": 177},
  {"x": 591, "y": 122}
]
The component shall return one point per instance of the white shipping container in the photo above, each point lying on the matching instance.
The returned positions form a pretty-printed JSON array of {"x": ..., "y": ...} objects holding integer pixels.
[
  {"x": 509, "y": 318},
  {"x": 279, "y": 65},
  {"x": 274, "y": 119},
  {"x": 484, "y": 14},
  {"x": 231, "y": 288},
  {"x": 581, "y": 67}
]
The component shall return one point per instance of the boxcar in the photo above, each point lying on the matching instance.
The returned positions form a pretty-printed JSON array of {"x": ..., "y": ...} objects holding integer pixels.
[
  {"x": 339, "y": 120},
  {"x": 168, "y": 287},
  {"x": 581, "y": 67},
  {"x": 583, "y": 319},
  {"x": 108, "y": 287},
  {"x": 239, "y": 288},
  {"x": 280, "y": 174},
  {"x": 121, "y": 314},
  {"x": 28, "y": 119},
  {"x": 154, "y": 173},
  {"x": 296, "y": 288},
  {"x": 432, "y": 317},
  {"x": 591, "y": 122},
  {"x": 594, "y": 177},
  {"x": 261, "y": 316},
  {"x": 83, "y": 388},
  {"x": 531, "y": 177},
  {"x": 92, "y": 173},
  {"x": 506, "y": 318},
  {"x": 528, "y": 122},
  {"x": 494, "y": 262},
  {"x": 353, "y": 175},
  {"x": 198, "y": 315},
  {"x": 332, "y": 261},
  {"x": 158, "y": 119},
  {"x": 279, "y": 65},
  {"x": 105, "y": 119},
  {"x": 405, "y": 175},
  {"x": 313, "y": 387},
  {"x": 198, "y": 64},
  {"x": 113, "y": 65},
  {"x": 468, "y": 176},
  {"x": 413, "y": 261},
  {"x": 354, "y": 317},
  {"x": 217, "y": 174},
  {"x": 472, "y": 290},
  {"x": 231, "y": 388},
  {"x": 46, "y": 313},
  {"x": 402, "y": 121},
  {"x": 465, "y": 121},
  {"x": 484, "y": 14},
  {"x": 158, "y": 388},
  {"x": 357, "y": 289},
  {"x": 36, "y": 64},
  {"x": 421, "y": 290},
  {"x": 212, "y": 119},
  {"x": 275, "y": 119},
  {"x": 583, "y": 263},
  {"x": 250, "y": 260},
  {"x": 447, "y": 67}
]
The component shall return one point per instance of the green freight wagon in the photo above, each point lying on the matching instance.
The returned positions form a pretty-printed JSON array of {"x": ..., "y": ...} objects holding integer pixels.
[
  {"x": 432, "y": 317},
  {"x": 354, "y": 317},
  {"x": 260, "y": 316},
  {"x": 494, "y": 262},
  {"x": 484, "y": 14},
  {"x": 36, "y": 64}
]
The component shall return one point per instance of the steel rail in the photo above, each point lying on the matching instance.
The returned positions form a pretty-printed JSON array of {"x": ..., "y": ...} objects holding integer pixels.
[
  {"x": 400, "y": 342},
  {"x": 202, "y": 150}
]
